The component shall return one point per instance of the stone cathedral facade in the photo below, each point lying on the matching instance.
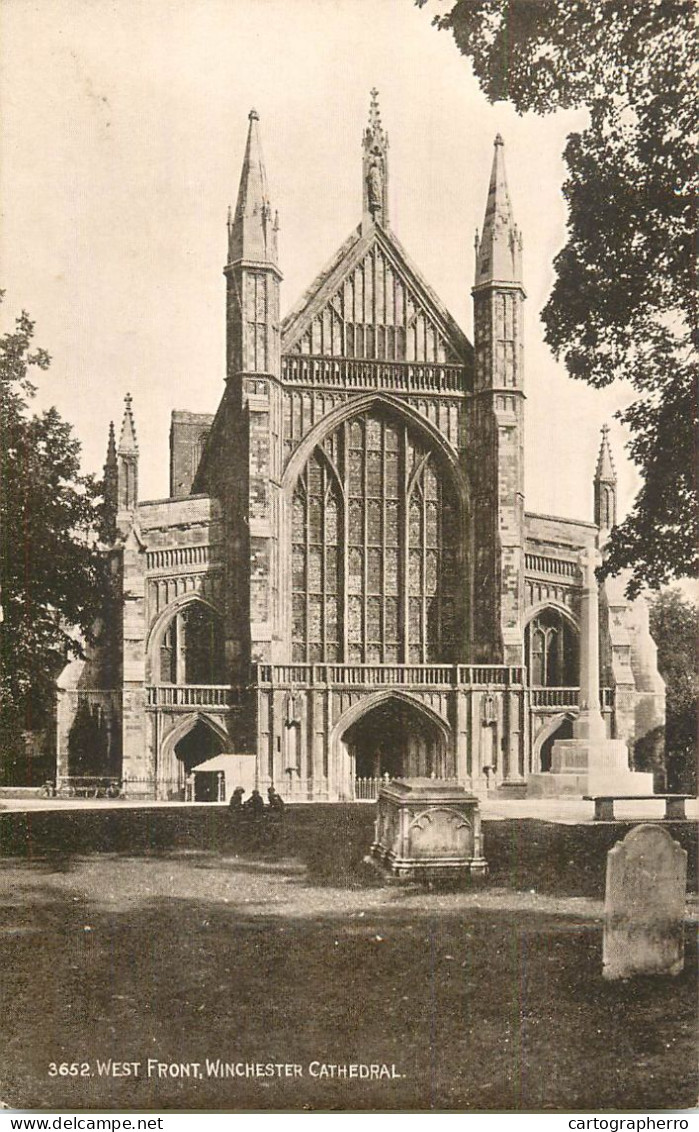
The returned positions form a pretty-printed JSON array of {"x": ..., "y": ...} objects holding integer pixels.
[{"x": 344, "y": 581}]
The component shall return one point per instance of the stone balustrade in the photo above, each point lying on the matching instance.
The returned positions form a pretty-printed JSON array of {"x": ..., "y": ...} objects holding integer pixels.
[
  {"x": 189, "y": 695},
  {"x": 563, "y": 698},
  {"x": 441, "y": 676},
  {"x": 405, "y": 675},
  {"x": 361, "y": 373}
]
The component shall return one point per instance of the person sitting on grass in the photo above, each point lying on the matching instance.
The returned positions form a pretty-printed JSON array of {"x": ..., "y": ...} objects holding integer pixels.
[
  {"x": 275, "y": 800},
  {"x": 255, "y": 805},
  {"x": 236, "y": 803}
]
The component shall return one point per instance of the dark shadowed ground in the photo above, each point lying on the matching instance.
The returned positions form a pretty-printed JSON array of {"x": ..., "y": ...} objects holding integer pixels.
[{"x": 163, "y": 935}]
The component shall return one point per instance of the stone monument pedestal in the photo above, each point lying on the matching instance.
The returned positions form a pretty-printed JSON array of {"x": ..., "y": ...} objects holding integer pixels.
[
  {"x": 427, "y": 828},
  {"x": 603, "y": 762},
  {"x": 589, "y": 763},
  {"x": 590, "y": 766}
]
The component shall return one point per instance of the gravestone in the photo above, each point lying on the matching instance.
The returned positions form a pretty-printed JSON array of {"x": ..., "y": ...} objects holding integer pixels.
[{"x": 644, "y": 905}]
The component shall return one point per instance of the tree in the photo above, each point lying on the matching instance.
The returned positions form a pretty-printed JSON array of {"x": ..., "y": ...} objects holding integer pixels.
[
  {"x": 52, "y": 572},
  {"x": 623, "y": 303},
  {"x": 674, "y": 623}
]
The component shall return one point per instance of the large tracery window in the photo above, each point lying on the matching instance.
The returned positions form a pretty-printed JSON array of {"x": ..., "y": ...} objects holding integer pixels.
[{"x": 374, "y": 558}]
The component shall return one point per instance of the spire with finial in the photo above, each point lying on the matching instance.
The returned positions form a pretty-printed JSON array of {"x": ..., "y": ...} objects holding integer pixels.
[
  {"x": 127, "y": 467},
  {"x": 374, "y": 168},
  {"x": 605, "y": 470},
  {"x": 499, "y": 248},
  {"x": 127, "y": 438},
  {"x": 252, "y": 232},
  {"x": 374, "y": 112},
  {"x": 498, "y": 448},
  {"x": 111, "y": 448},
  {"x": 605, "y": 485},
  {"x": 110, "y": 489},
  {"x": 252, "y": 272}
]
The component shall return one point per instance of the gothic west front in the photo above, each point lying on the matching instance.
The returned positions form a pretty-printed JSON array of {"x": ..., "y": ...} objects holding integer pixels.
[{"x": 344, "y": 582}]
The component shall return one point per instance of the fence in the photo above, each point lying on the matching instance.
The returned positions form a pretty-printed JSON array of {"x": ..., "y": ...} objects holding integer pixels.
[
  {"x": 367, "y": 789},
  {"x": 169, "y": 789},
  {"x": 296, "y": 788}
]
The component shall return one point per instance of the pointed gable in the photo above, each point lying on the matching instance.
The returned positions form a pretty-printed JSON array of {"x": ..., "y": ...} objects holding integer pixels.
[{"x": 371, "y": 302}]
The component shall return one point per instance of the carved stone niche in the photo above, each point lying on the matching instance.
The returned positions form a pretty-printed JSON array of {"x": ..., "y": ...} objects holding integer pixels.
[{"x": 427, "y": 828}]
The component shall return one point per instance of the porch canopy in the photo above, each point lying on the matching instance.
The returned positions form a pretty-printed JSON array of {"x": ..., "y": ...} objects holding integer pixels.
[{"x": 238, "y": 770}]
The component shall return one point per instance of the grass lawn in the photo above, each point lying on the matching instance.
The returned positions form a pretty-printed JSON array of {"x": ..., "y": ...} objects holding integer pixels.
[{"x": 487, "y": 997}]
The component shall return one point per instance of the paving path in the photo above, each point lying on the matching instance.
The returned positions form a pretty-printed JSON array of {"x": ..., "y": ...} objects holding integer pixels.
[{"x": 568, "y": 811}]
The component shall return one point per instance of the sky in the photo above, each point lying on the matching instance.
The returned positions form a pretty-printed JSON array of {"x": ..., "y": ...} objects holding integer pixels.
[{"x": 122, "y": 135}]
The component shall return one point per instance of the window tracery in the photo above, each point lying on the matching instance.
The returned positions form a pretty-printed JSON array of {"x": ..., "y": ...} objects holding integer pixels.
[
  {"x": 551, "y": 649},
  {"x": 374, "y": 549},
  {"x": 191, "y": 647}
]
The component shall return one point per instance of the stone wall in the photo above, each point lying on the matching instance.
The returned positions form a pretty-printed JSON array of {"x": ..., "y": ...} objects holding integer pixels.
[
  {"x": 496, "y": 470},
  {"x": 188, "y": 433},
  {"x": 300, "y": 739},
  {"x": 552, "y": 574}
]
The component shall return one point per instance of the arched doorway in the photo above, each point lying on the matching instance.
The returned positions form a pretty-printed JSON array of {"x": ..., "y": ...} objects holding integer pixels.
[
  {"x": 197, "y": 745},
  {"x": 194, "y": 740},
  {"x": 396, "y": 738}
]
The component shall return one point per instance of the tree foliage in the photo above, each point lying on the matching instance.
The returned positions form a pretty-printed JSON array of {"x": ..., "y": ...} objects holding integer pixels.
[
  {"x": 623, "y": 303},
  {"x": 674, "y": 623},
  {"x": 52, "y": 573}
]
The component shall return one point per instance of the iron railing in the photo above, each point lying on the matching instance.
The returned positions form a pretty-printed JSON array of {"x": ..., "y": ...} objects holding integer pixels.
[{"x": 367, "y": 789}]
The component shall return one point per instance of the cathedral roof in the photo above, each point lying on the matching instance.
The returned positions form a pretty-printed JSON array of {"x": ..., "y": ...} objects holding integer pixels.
[{"x": 325, "y": 290}]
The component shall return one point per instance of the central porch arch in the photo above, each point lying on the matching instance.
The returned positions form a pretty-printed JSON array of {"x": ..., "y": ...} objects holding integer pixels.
[{"x": 390, "y": 733}]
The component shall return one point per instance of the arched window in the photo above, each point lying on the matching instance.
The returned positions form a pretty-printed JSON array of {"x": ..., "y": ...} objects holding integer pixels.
[
  {"x": 375, "y": 532},
  {"x": 168, "y": 654},
  {"x": 551, "y": 649},
  {"x": 191, "y": 648},
  {"x": 607, "y": 516}
]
